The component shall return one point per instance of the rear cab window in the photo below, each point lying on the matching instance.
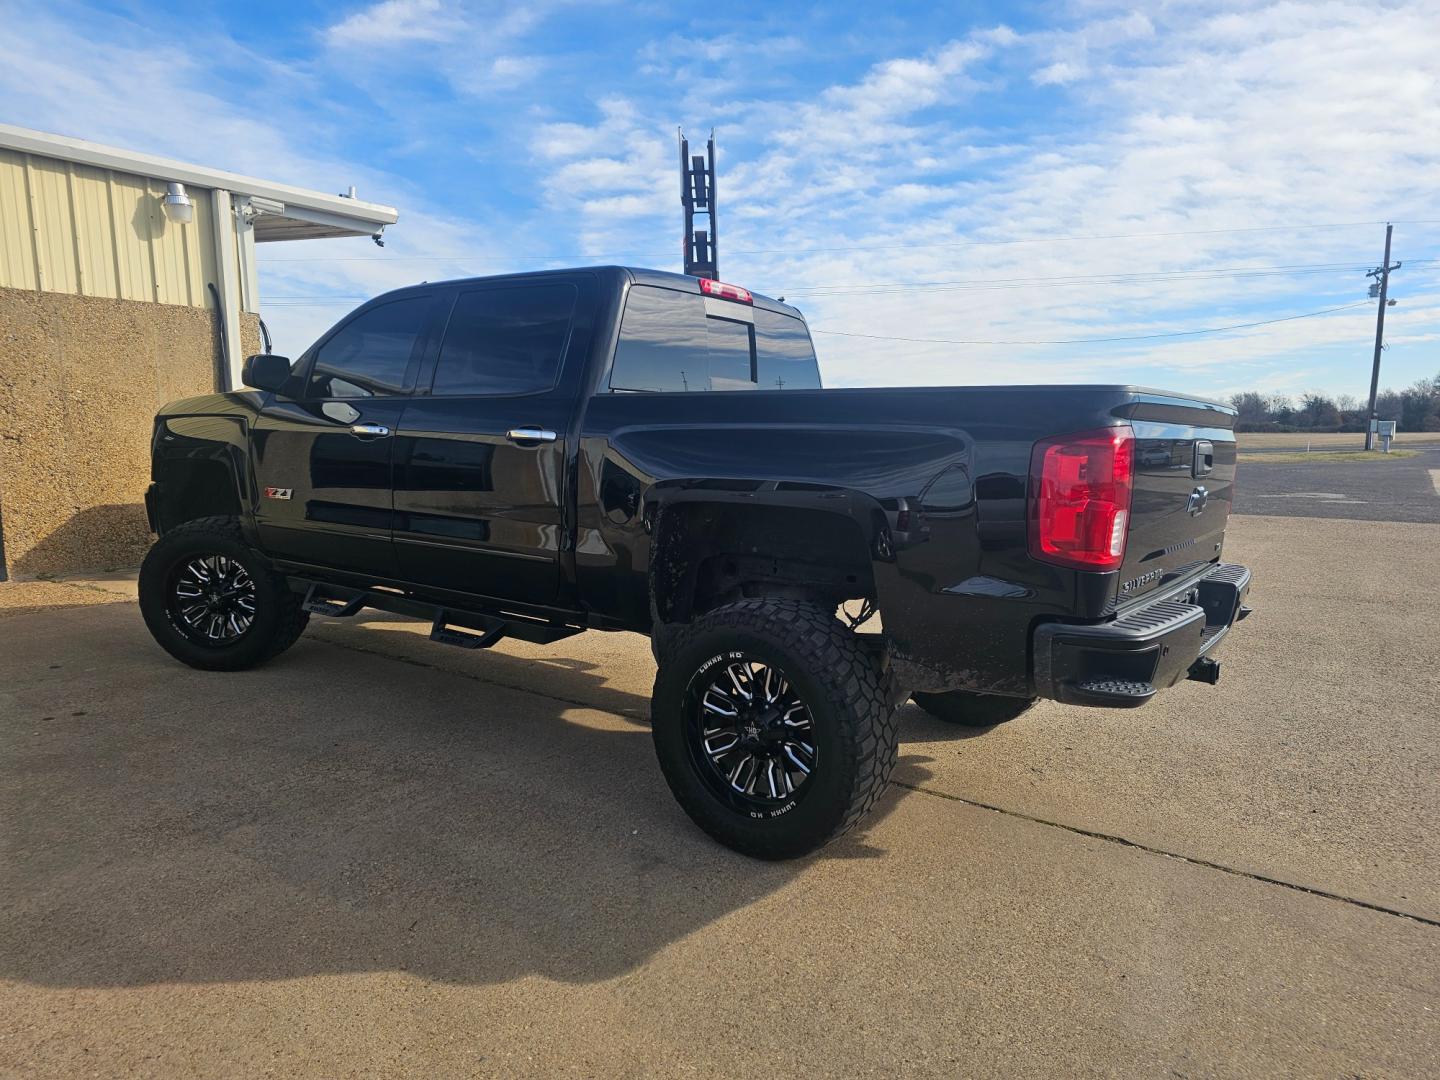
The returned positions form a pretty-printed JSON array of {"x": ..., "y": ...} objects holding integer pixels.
[{"x": 679, "y": 341}]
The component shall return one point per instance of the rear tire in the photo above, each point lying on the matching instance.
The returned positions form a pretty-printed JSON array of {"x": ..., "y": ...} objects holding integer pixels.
[
  {"x": 813, "y": 739},
  {"x": 968, "y": 709},
  {"x": 212, "y": 601}
]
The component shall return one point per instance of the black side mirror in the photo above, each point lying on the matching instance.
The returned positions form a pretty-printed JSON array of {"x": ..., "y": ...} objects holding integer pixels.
[{"x": 266, "y": 371}]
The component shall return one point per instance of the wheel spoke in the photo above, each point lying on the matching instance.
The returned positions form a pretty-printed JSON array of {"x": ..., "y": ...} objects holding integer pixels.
[
  {"x": 714, "y": 749},
  {"x": 795, "y": 759},
  {"x": 721, "y": 710}
]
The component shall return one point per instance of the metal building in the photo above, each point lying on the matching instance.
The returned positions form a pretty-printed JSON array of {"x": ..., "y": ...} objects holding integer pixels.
[{"x": 126, "y": 280}]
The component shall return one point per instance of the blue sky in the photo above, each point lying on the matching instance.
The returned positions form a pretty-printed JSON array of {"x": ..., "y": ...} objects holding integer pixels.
[{"x": 1000, "y": 184}]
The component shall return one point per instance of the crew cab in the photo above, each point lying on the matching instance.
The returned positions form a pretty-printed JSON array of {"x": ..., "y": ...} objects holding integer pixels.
[{"x": 620, "y": 449}]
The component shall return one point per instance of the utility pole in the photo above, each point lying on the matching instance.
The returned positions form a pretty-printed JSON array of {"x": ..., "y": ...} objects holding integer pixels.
[
  {"x": 1381, "y": 288},
  {"x": 697, "y": 195}
]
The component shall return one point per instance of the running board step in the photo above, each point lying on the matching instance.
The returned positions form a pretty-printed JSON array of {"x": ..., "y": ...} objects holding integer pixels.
[
  {"x": 448, "y": 626},
  {"x": 448, "y": 635},
  {"x": 316, "y": 604}
]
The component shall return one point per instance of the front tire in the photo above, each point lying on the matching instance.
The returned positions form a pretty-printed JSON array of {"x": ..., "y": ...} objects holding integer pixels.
[
  {"x": 967, "y": 709},
  {"x": 213, "y": 602},
  {"x": 772, "y": 726}
]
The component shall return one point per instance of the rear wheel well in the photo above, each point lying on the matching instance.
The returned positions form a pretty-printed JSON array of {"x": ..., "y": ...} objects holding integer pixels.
[{"x": 707, "y": 555}]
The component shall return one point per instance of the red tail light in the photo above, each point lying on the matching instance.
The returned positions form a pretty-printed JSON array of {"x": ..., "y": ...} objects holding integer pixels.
[
  {"x": 1080, "y": 498},
  {"x": 725, "y": 292}
]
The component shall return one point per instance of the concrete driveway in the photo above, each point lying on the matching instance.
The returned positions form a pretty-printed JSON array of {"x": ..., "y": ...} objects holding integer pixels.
[{"x": 379, "y": 856}]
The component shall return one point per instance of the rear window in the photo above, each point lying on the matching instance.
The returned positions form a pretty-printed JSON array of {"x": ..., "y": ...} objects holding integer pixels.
[{"x": 677, "y": 341}]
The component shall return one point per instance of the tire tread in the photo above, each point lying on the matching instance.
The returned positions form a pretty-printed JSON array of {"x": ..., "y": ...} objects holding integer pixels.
[{"x": 856, "y": 688}]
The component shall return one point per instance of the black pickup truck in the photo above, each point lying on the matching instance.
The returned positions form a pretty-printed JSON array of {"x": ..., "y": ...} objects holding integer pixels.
[{"x": 618, "y": 449}]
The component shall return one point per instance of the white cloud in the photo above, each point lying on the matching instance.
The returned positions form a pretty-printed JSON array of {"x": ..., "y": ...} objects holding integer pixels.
[{"x": 395, "y": 21}]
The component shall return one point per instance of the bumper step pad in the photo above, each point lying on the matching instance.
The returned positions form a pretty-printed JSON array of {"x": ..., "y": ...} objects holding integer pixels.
[{"x": 1110, "y": 693}]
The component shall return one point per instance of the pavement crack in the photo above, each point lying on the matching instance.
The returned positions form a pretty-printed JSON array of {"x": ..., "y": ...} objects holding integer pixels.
[{"x": 1121, "y": 841}]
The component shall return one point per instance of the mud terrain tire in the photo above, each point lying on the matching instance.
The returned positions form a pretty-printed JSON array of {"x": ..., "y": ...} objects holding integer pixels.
[
  {"x": 276, "y": 618},
  {"x": 848, "y": 725}
]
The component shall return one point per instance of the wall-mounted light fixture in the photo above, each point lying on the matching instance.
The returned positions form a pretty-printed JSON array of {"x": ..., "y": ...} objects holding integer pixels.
[{"x": 178, "y": 207}]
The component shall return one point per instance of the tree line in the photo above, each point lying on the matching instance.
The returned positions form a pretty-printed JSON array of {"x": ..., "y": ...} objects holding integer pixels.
[{"x": 1416, "y": 409}]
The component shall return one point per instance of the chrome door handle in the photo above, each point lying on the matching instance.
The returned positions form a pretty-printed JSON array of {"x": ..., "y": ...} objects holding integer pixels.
[
  {"x": 531, "y": 434},
  {"x": 369, "y": 431}
]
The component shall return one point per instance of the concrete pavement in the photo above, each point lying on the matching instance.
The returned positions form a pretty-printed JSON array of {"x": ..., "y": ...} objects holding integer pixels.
[{"x": 379, "y": 856}]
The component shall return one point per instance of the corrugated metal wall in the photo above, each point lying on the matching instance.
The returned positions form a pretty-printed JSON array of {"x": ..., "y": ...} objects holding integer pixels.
[{"x": 70, "y": 228}]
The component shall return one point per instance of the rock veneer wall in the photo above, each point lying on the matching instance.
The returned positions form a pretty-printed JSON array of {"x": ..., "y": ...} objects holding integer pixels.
[{"x": 80, "y": 381}]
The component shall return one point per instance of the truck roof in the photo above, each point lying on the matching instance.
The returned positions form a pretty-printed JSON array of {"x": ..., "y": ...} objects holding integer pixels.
[{"x": 638, "y": 275}]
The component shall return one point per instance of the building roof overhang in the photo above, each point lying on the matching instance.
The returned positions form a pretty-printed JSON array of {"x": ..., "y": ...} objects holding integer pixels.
[{"x": 277, "y": 211}]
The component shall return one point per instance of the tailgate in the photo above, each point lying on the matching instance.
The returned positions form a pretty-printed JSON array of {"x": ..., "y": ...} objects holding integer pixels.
[{"x": 1183, "y": 488}]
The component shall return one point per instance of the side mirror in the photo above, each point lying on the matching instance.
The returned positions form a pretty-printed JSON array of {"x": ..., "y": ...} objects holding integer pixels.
[{"x": 266, "y": 371}]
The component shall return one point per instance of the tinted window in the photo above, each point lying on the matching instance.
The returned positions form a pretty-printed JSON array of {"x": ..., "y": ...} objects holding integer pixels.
[
  {"x": 369, "y": 355},
  {"x": 505, "y": 341},
  {"x": 783, "y": 353},
  {"x": 667, "y": 342},
  {"x": 662, "y": 342},
  {"x": 731, "y": 353}
]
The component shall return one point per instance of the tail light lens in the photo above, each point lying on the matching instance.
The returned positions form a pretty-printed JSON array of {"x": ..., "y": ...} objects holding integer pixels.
[{"x": 1080, "y": 498}]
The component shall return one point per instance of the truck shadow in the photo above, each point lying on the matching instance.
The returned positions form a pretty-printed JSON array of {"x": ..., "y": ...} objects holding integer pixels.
[{"x": 335, "y": 811}]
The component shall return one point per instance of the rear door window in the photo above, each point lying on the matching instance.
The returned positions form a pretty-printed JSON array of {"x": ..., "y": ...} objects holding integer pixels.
[
  {"x": 505, "y": 341},
  {"x": 370, "y": 355}
]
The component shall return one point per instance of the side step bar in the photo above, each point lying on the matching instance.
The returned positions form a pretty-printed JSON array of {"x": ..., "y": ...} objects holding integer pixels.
[{"x": 341, "y": 601}]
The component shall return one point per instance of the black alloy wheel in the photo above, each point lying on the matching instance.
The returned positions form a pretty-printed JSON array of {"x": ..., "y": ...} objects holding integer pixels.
[
  {"x": 211, "y": 600},
  {"x": 752, "y": 736}
]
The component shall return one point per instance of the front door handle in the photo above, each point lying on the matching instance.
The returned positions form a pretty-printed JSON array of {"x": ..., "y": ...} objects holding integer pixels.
[
  {"x": 530, "y": 434},
  {"x": 369, "y": 431}
]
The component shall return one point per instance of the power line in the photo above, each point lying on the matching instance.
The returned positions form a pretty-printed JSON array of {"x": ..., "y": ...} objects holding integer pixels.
[
  {"x": 858, "y": 247},
  {"x": 1117, "y": 278},
  {"x": 981, "y": 284},
  {"x": 1086, "y": 341}
]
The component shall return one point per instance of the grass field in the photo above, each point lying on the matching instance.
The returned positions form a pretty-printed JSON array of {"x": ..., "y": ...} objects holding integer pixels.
[
  {"x": 1317, "y": 456},
  {"x": 1249, "y": 440}
]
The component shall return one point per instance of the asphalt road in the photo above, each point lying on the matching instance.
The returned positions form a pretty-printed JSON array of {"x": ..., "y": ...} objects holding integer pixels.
[
  {"x": 1407, "y": 489},
  {"x": 379, "y": 856}
]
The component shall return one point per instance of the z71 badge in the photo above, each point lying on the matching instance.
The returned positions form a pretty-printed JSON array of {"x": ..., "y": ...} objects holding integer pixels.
[{"x": 278, "y": 493}]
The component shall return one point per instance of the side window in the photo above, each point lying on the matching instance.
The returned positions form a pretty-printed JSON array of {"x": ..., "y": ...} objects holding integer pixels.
[
  {"x": 663, "y": 343},
  {"x": 505, "y": 341},
  {"x": 370, "y": 354},
  {"x": 785, "y": 358}
]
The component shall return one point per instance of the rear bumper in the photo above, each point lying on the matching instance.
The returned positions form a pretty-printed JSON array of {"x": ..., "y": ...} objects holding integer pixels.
[{"x": 1124, "y": 662}]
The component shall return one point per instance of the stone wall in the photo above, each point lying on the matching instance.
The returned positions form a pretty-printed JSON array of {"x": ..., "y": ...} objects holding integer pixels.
[{"x": 80, "y": 381}]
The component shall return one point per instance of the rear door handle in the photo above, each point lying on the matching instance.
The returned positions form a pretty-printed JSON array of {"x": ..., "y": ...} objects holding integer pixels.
[
  {"x": 369, "y": 431},
  {"x": 530, "y": 434}
]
